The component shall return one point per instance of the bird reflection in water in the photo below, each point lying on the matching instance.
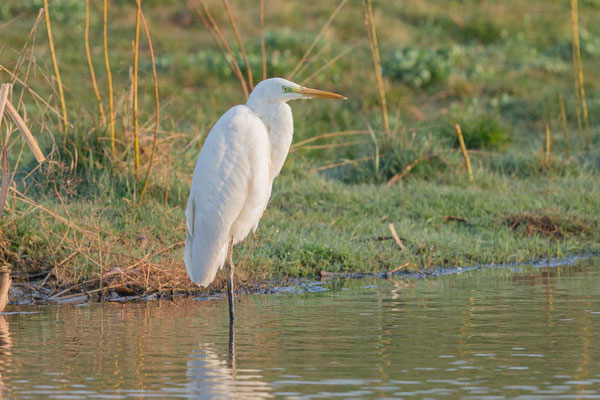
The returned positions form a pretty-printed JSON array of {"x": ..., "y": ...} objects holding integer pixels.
[
  {"x": 210, "y": 376},
  {"x": 6, "y": 345}
]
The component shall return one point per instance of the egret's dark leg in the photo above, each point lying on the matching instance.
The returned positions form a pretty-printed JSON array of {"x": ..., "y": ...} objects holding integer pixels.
[
  {"x": 232, "y": 346},
  {"x": 230, "y": 268}
]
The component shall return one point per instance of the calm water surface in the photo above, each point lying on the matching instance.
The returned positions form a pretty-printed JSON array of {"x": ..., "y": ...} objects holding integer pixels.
[{"x": 486, "y": 334}]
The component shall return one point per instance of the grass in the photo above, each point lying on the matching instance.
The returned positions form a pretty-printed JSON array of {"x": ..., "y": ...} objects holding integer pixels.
[{"x": 498, "y": 70}]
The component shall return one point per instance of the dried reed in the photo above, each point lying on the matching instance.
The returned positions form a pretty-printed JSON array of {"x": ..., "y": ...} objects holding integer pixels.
[
  {"x": 374, "y": 46},
  {"x": 547, "y": 146},
  {"x": 211, "y": 25},
  {"x": 465, "y": 153},
  {"x": 312, "y": 45},
  {"x": 90, "y": 63},
  {"x": 61, "y": 94},
  {"x": 240, "y": 43},
  {"x": 111, "y": 105},
  {"x": 29, "y": 138},
  {"x": 156, "y": 99},
  {"x": 166, "y": 198},
  {"x": 5, "y": 178},
  {"x": 136, "y": 52},
  {"x": 262, "y": 39},
  {"x": 328, "y": 64},
  {"x": 4, "y": 286},
  {"x": 563, "y": 121},
  {"x": 329, "y": 135},
  {"x": 395, "y": 236},
  {"x": 577, "y": 62}
]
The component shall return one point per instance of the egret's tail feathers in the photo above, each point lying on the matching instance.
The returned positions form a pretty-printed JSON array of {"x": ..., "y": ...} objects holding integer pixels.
[{"x": 200, "y": 267}]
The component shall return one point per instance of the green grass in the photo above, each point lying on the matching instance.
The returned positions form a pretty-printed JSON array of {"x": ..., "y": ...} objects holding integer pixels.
[{"x": 493, "y": 67}]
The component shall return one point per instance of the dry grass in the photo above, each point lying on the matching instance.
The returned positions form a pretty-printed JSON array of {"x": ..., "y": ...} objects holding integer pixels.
[{"x": 240, "y": 43}]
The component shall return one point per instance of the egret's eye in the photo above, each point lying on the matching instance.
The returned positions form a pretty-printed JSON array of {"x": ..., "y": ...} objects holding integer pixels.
[{"x": 285, "y": 89}]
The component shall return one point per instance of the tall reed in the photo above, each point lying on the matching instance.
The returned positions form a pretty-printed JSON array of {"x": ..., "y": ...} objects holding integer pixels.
[
  {"x": 61, "y": 93},
  {"x": 547, "y": 146},
  {"x": 156, "y": 99},
  {"x": 465, "y": 153},
  {"x": 563, "y": 121},
  {"x": 312, "y": 45},
  {"x": 111, "y": 105},
  {"x": 374, "y": 46},
  {"x": 577, "y": 61},
  {"x": 136, "y": 51},
  {"x": 211, "y": 25},
  {"x": 88, "y": 54},
  {"x": 240, "y": 43},
  {"x": 262, "y": 39}
]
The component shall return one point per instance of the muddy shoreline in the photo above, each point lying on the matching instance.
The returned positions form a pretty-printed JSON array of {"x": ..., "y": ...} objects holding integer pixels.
[{"x": 29, "y": 293}]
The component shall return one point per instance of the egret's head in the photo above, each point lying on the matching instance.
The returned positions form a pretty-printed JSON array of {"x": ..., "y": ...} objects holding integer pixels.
[{"x": 279, "y": 90}]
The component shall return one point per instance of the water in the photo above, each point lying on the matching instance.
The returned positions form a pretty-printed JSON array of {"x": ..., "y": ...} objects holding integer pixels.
[{"x": 495, "y": 333}]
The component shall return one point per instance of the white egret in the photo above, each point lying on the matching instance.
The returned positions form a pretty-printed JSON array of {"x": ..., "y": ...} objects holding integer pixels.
[{"x": 239, "y": 160}]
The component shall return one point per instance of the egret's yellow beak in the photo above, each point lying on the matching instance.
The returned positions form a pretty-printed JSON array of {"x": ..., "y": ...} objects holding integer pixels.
[{"x": 308, "y": 92}]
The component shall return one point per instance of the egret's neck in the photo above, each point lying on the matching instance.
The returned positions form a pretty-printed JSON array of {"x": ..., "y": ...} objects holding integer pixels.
[{"x": 278, "y": 119}]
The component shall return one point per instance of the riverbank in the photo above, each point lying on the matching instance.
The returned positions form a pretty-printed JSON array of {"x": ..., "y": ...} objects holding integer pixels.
[{"x": 314, "y": 225}]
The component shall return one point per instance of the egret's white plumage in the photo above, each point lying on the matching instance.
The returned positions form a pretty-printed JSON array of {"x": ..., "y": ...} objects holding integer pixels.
[{"x": 239, "y": 160}]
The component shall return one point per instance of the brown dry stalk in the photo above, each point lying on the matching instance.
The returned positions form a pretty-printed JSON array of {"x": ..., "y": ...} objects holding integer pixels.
[
  {"x": 4, "y": 90},
  {"x": 240, "y": 43},
  {"x": 577, "y": 53},
  {"x": 395, "y": 236},
  {"x": 5, "y": 178},
  {"x": 328, "y": 135},
  {"x": 219, "y": 39},
  {"x": 236, "y": 68},
  {"x": 90, "y": 63},
  {"x": 563, "y": 121},
  {"x": 374, "y": 46},
  {"x": 63, "y": 105},
  {"x": 407, "y": 169},
  {"x": 312, "y": 45},
  {"x": 328, "y": 64},
  {"x": 465, "y": 153},
  {"x": 547, "y": 147},
  {"x": 339, "y": 164},
  {"x": 156, "y": 99},
  {"x": 262, "y": 39},
  {"x": 166, "y": 199},
  {"x": 29, "y": 138},
  {"x": 4, "y": 286},
  {"x": 331, "y": 146},
  {"x": 111, "y": 104},
  {"x": 136, "y": 52}
]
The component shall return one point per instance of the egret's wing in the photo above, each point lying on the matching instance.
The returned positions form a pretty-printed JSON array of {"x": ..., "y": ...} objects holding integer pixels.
[{"x": 222, "y": 179}]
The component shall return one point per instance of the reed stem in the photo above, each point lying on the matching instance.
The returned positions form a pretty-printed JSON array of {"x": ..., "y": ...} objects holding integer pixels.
[
  {"x": 547, "y": 147},
  {"x": 563, "y": 122},
  {"x": 136, "y": 51},
  {"x": 581, "y": 84},
  {"x": 156, "y": 99},
  {"x": 465, "y": 153},
  {"x": 262, "y": 39},
  {"x": 240, "y": 43},
  {"x": 61, "y": 93},
  {"x": 110, "y": 85},
  {"x": 91, "y": 64},
  {"x": 27, "y": 135},
  {"x": 374, "y": 46}
]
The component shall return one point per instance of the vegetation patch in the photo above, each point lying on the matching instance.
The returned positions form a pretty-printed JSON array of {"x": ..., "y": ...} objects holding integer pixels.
[{"x": 549, "y": 226}]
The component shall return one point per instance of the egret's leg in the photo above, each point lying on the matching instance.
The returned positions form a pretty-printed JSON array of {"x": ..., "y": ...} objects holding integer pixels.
[{"x": 230, "y": 268}]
